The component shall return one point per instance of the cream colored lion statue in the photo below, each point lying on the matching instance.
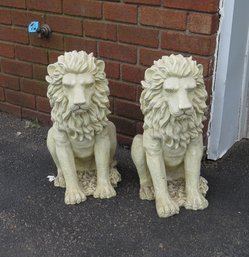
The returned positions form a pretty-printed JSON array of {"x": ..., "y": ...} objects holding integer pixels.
[
  {"x": 168, "y": 154},
  {"x": 82, "y": 141}
]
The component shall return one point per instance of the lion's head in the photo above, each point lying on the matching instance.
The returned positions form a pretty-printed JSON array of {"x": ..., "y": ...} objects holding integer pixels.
[
  {"x": 173, "y": 99},
  {"x": 78, "y": 94}
]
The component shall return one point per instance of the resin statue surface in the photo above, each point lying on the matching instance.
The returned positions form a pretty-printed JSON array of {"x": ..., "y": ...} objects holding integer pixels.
[
  {"x": 82, "y": 141},
  {"x": 168, "y": 154}
]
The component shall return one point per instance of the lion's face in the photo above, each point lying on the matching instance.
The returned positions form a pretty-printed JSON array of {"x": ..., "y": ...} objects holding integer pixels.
[
  {"x": 78, "y": 89},
  {"x": 179, "y": 93}
]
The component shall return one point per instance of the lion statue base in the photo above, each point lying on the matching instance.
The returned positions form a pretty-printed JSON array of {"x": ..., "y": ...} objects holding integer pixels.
[
  {"x": 171, "y": 147},
  {"x": 81, "y": 138}
]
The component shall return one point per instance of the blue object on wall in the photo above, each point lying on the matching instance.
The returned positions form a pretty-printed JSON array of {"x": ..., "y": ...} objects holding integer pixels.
[{"x": 33, "y": 26}]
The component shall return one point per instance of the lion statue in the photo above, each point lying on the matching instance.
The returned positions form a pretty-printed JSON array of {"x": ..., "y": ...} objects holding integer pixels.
[
  {"x": 168, "y": 154},
  {"x": 82, "y": 141}
]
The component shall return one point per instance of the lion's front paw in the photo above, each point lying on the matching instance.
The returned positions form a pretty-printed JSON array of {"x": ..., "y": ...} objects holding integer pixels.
[
  {"x": 104, "y": 191},
  {"x": 59, "y": 181},
  {"x": 166, "y": 207},
  {"x": 74, "y": 196},
  {"x": 146, "y": 193},
  {"x": 196, "y": 201}
]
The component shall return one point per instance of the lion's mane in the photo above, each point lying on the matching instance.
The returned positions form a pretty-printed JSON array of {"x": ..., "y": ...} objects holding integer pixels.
[
  {"x": 91, "y": 122},
  {"x": 175, "y": 131}
]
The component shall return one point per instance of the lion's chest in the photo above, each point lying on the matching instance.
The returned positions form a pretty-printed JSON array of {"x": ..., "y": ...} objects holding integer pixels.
[
  {"x": 82, "y": 149},
  {"x": 173, "y": 157}
]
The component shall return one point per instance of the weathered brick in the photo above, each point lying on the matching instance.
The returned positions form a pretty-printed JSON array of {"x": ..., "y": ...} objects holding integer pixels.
[
  {"x": 118, "y": 52},
  {"x": 85, "y": 8},
  {"x": 40, "y": 72},
  {"x": 111, "y": 104},
  {"x": 194, "y": 44},
  {"x": 2, "y": 97},
  {"x": 124, "y": 140},
  {"x": 138, "y": 36},
  {"x": 112, "y": 69},
  {"x": 9, "y": 81},
  {"x": 122, "y": 90},
  {"x": 10, "y": 108},
  {"x": 124, "y": 125},
  {"x": 52, "y": 6},
  {"x": 17, "y": 68},
  {"x": 42, "y": 104},
  {"x": 150, "y": 2},
  {"x": 34, "y": 87},
  {"x": 65, "y": 24},
  {"x": 132, "y": 73},
  {"x": 32, "y": 54},
  {"x": 139, "y": 91},
  {"x": 197, "y": 5},
  {"x": 17, "y": 35},
  {"x": 53, "y": 42},
  {"x": 24, "y": 17},
  {"x": 100, "y": 30},
  {"x": 20, "y": 98},
  {"x": 148, "y": 56},
  {"x": 139, "y": 128},
  {"x": 5, "y": 16},
  {"x": 7, "y": 50},
  {"x": 170, "y": 19},
  {"x": 43, "y": 118},
  {"x": 120, "y": 12},
  {"x": 128, "y": 109},
  {"x": 208, "y": 64},
  {"x": 53, "y": 56},
  {"x": 11, "y": 3},
  {"x": 90, "y": 46},
  {"x": 203, "y": 23}
]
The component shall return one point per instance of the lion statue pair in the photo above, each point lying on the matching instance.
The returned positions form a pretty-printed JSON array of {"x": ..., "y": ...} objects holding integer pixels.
[{"x": 82, "y": 141}]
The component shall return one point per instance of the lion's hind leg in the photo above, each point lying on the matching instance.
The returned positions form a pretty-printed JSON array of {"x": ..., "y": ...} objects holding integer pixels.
[
  {"x": 139, "y": 158},
  {"x": 59, "y": 179}
]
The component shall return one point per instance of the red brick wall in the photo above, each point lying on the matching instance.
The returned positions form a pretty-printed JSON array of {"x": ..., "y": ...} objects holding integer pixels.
[{"x": 127, "y": 34}]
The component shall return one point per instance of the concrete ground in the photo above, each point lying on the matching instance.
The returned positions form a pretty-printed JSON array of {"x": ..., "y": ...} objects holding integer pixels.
[{"x": 34, "y": 221}]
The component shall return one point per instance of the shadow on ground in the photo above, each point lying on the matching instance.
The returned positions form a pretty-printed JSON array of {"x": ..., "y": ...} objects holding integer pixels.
[{"x": 34, "y": 221}]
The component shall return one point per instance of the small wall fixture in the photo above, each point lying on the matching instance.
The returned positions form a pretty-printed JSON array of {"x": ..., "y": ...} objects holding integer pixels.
[{"x": 43, "y": 31}]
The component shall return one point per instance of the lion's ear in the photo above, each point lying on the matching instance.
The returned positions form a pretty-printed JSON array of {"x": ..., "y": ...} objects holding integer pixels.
[
  {"x": 51, "y": 68},
  {"x": 101, "y": 65},
  {"x": 200, "y": 67}
]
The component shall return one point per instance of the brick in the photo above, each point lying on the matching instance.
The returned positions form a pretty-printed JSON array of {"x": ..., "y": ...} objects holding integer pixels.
[
  {"x": 132, "y": 73},
  {"x": 138, "y": 36},
  {"x": 111, "y": 103},
  {"x": 124, "y": 125},
  {"x": 127, "y": 109},
  {"x": 85, "y": 8},
  {"x": 2, "y": 97},
  {"x": 122, "y": 90},
  {"x": 7, "y": 50},
  {"x": 150, "y": 2},
  {"x": 196, "y": 5},
  {"x": 124, "y": 140},
  {"x": 100, "y": 30},
  {"x": 20, "y": 98},
  {"x": 65, "y": 24},
  {"x": 112, "y": 69},
  {"x": 203, "y": 23},
  {"x": 17, "y": 35},
  {"x": 79, "y": 44},
  {"x": 42, "y": 104},
  {"x": 208, "y": 65},
  {"x": 53, "y": 42},
  {"x": 51, "y": 6},
  {"x": 120, "y": 12},
  {"x": 40, "y": 72},
  {"x": 43, "y": 118},
  {"x": 17, "y": 68},
  {"x": 118, "y": 52},
  {"x": 5, "y": 16},
  {"x": 32, "y": 54},
  {"x": 34, "y": 87},
  {"x": 53, "y": 56},
  {"x": 169, "y": 19},
  {"x": 24, "y": 17},
  {"x": 11, "y": 108},
  {"x": 139, "y": 128},
  {"x": 194, "y": 44},
  {"x": 139, "y": 91},
  {"x": 9, "y": 81},
  {"x": 11, "y": 3},
  {"x": 148, "y": 56}
]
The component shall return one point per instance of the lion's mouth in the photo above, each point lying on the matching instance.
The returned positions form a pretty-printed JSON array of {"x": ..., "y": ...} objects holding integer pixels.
[{"x": 78, "y": 109}]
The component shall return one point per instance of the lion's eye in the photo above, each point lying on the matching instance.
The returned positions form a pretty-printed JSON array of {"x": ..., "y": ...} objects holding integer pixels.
[
  {"x": 190, "y": 89},
  {"x": 170, "y": 90},
  {"x": 67, "y": 85},
  {"x": 88, "y": 85}
]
